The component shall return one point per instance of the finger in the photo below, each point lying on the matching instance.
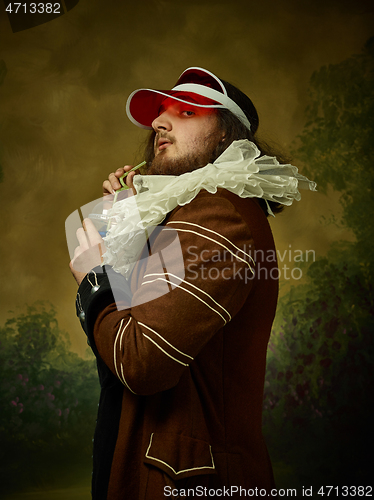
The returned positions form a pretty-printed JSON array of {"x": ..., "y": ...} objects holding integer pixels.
[
  {"x": 92, "y": 233},
  {"x": 130, "y": 181},
  {"x": 125, "y": 175},
  {"x": 108, "y": 188},
  {"x": 120, "y": 171},
  {"x": 82, "y": 239},
  {"x": 113, "y": 180},
  {"x": 126, "y": 168}
]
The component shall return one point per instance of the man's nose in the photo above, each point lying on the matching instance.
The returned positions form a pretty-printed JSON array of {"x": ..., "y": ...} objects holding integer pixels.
[{"x": 162, "y": 122}]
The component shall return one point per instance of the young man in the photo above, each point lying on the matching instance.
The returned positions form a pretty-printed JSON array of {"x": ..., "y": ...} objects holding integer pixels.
[{"x": 179, "y": 319}]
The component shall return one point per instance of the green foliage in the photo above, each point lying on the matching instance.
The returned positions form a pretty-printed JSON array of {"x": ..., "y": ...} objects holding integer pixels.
[
  {"x": 318, "y": 401},
  {"x": 337, "y": 144},
  {"x": 318, "y": 389},
  {"x": 48, "y": 398}
]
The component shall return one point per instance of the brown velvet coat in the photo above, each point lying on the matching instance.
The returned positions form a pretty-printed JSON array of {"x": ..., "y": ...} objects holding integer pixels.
[{"x": 186, "y": 367}]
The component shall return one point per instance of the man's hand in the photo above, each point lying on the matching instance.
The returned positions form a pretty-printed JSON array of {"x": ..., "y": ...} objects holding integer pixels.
[
  {"x": 89, "y": 252},
  {"x": 111, "y": 185}
]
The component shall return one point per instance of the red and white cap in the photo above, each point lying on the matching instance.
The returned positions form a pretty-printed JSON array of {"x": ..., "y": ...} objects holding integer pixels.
[{"x": 197, "y": 84}]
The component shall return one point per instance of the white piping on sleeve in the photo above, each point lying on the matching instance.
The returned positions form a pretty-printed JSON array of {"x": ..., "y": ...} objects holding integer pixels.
[
  {"x": 161, "y": 349},
  {"x": 166, "y": 342},
  {"x": 188, "y": 291},
  {"x": 215, "y": 241},
  {"x": 120, "y": 334},
  {"x": 193, "y": 286},
  {"x": 214, "y": 232}
]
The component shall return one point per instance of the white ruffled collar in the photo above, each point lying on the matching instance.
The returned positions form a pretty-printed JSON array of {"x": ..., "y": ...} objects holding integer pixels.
[{"x": 239, "y": 169}]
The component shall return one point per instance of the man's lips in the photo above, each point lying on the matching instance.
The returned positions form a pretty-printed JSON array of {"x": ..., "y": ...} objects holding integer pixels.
[{"x": 163, "y": 144}]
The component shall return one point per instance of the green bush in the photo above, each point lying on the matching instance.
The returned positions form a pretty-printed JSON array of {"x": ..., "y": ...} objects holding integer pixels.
[
  {"x": 48, "y": 397},
  {"x": 318, "y": 401},
  {"x": 318, "y": 398}
]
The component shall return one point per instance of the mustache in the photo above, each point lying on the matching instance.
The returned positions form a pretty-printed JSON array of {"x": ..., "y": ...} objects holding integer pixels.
[{"x": 163, "y": 135}]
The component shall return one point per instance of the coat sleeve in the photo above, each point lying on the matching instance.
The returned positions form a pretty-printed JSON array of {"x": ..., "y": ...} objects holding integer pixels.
[{"x": 179, "y": 304}]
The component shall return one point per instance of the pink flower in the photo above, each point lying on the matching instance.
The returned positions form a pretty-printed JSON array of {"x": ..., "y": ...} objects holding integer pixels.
[
  {"x": 59, "y": 412},
  {"x": 41, "y": 387},
  {"x": 19, "y": 376},
  {"x": 50, "y": 396},
  {"x": 13, "y": 403}
]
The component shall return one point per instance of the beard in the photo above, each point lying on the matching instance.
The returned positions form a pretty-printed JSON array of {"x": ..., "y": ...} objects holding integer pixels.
[{"x": 211, "y": 148}]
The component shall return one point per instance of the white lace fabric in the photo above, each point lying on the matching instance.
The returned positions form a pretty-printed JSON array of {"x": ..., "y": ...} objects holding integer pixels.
[{"x": 239, "y": 169}]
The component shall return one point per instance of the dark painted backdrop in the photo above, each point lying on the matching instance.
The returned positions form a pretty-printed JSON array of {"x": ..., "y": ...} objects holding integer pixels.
[{"x": 63, "y": 128}]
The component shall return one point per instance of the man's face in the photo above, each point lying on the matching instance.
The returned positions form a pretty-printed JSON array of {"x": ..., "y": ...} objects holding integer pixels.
[{"x": 186, "y": 136}]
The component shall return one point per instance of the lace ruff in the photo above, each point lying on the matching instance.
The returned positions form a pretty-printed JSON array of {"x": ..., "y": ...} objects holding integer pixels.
[{"x": 239, "y": 169}]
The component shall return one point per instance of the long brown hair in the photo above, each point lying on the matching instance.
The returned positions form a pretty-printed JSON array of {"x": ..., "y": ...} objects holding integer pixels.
[{"x": 234, "y": 130}]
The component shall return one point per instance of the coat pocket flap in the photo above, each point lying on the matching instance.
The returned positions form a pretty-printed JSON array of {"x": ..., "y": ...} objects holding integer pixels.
[{"x": 180, "y": 456}]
